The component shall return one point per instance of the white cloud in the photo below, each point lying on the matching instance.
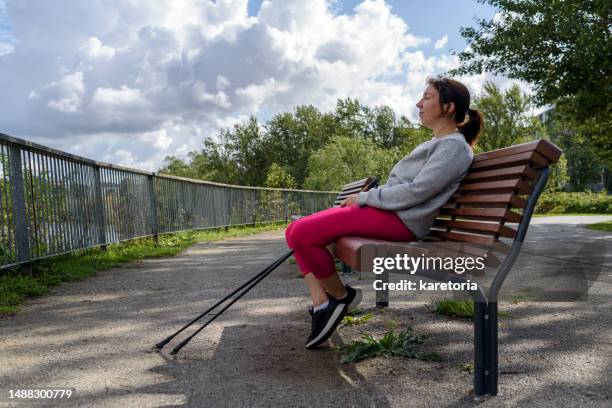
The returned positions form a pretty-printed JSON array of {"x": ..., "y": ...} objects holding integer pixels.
[
  {"x": 441, "y": 42},
  {"x": 124, "y": 98},
  {"x": 95, "y": 49},
  {"x": 159, "y": 139},
  {"x": 68, "y": 93},
  {"x": 153, "y": 77}
]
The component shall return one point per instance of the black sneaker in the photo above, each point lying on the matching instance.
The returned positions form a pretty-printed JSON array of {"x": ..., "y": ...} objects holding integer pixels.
[
  {"x": 353, "y": 297},
  {"x": 325, "y": 321}
]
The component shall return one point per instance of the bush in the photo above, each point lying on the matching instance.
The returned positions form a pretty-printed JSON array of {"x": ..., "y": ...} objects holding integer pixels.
[{"x": 568, "y": 203}]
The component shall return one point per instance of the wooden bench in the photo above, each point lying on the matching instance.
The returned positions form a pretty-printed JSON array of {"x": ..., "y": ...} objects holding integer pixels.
[{"x": 502, "y": 187}]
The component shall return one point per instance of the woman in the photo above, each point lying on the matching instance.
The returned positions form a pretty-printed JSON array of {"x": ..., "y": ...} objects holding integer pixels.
[{"x": 403, "y": 209}]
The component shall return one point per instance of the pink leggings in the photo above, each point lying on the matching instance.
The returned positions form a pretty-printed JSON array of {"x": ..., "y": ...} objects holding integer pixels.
[{"x": 310, "y": 235}]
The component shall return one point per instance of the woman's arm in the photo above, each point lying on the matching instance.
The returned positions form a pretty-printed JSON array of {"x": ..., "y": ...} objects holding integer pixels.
[{"x": 448, "y": 161}]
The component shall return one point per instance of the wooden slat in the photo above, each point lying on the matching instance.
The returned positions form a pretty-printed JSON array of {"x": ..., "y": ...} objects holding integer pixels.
[
  {"x": 483, "y": 213},
  {"x": 501, "y": 174},
  {"x": 534, "y": 158},
  {"x": 351, "y": 188},
  {"x": 546, "y": 149},
  {"x": 356, "y": 183},
  {"x": 474, "y": 239},
  {"x": 354, "y": 190},
  {"x": 500, "y": 199},
  {"x": 500, "y": 186},
  {"x": 484, "y": 227}
]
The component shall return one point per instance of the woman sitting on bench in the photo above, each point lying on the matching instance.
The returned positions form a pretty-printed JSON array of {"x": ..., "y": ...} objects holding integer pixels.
[{"x": 403, "y": 209}]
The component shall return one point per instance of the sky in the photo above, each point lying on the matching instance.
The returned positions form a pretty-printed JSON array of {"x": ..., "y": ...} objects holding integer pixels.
[{"x": 130, "y": 82}]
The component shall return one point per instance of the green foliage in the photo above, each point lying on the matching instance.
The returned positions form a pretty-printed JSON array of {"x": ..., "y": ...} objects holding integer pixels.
[
  {"x": 357, "y": 319},
  {"x": 558, "y": 177},
  {"x": 177, "y": 167},
  {"x": 562, "y": 48},
  {"x": 507, "y": 120},
  {"x": 570, "y": 203},
  {"x": 584, "y": 167},
  {"x": 601, "y": 226},
  {"x": 345, "y": 158},
  {"x": 15, "y": 287},
  {"x": 391, "y": 344},
  {"x": 277, "y": 177}
]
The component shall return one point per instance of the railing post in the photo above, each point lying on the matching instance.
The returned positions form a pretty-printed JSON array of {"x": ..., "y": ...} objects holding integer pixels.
[
  {"x": 100, "y": 219},
  {"x": 254, "y": 208},
  {"x": 285, "y": 205},
  {"x": 153, "y": 205},
  {"x": 20, "y": 224}
]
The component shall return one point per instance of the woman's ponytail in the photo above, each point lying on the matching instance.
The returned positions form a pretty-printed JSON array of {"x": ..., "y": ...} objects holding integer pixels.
[{"x": 471, "y": 128}]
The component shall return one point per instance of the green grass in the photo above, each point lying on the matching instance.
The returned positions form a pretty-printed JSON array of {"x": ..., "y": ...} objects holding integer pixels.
[
  {"x": 469, "y": 367},
  {"x": 391, "y": 344},
  {"x": 601, "y": 226},
  {"x": 463, "y": 309},
  {"x": 391, "y": 324},
  {"x": 15, "y": 287}
]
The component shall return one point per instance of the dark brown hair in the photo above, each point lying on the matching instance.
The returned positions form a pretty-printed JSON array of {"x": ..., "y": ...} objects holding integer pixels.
[{"x": 453, "y": 91}]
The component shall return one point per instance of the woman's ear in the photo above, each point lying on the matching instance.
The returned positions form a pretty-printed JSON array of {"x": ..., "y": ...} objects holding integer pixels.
[{"x": 450, "y": 111}]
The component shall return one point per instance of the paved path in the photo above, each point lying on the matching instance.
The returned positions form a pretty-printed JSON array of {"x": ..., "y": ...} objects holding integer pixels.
[{"x": 96, "y": 336}]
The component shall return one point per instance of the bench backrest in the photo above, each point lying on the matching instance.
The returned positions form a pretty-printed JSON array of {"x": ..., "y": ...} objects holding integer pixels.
[
  {"x": 355, "y": 187},
  {"x": 498, "y": 182}
]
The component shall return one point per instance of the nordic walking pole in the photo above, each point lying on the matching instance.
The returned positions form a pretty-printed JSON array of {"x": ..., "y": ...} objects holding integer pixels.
[
  {"x": 165, "y": 341},
  {"x": 259, "y": 279}
]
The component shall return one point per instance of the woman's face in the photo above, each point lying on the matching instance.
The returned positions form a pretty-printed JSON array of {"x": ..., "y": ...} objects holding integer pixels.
[{"x": 429, "y": 107}]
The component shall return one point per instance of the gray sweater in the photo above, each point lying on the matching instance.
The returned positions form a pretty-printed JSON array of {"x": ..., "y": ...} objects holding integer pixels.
[{"x": 422, "y": 182}]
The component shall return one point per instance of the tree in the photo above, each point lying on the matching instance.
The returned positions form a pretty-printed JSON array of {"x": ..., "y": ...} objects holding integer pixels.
[
  {"x": 291, "y": 138},
  {"x": 562, "y": 48},
  {"x": 584, "y": 167},
  {"x": 282, "y": 150},
  {"x": 245, "y": 143},
  {"x": 346, "y": 159},
  {"x": 277, "y": 177},
  {"x": 506, "y": 118},
  {"x": 176, "y": 167}
]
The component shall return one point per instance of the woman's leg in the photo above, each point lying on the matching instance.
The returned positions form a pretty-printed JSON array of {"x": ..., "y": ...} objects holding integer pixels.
[{"x": 310, "y": 235}]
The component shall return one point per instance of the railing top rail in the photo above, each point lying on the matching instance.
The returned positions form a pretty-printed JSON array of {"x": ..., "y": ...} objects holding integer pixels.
[
  {"x": 22, "y": 142},
  {"x": 213, "y": 183}
]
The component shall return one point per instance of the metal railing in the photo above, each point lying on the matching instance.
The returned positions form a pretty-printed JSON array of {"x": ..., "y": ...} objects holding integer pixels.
[{"x": 52, "y": 202}]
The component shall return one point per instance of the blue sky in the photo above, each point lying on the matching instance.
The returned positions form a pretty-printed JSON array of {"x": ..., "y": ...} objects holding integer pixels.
[{"x": 133, "y": 82}]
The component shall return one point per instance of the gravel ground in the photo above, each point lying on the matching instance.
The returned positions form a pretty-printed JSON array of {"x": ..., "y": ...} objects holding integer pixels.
[{"x": 97, "y": 336}]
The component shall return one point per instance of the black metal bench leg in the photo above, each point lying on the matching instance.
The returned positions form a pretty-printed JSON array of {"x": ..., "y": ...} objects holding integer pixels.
[
  {"x": 486, "y": 366},
  {"x": 492, "y": 362},
  {"x": 479, "y": 348},
  {"x": 382, "y": 296}
]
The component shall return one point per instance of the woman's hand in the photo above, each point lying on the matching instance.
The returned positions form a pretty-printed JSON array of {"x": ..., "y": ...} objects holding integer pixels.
[{"x": 349, "y": 201}]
